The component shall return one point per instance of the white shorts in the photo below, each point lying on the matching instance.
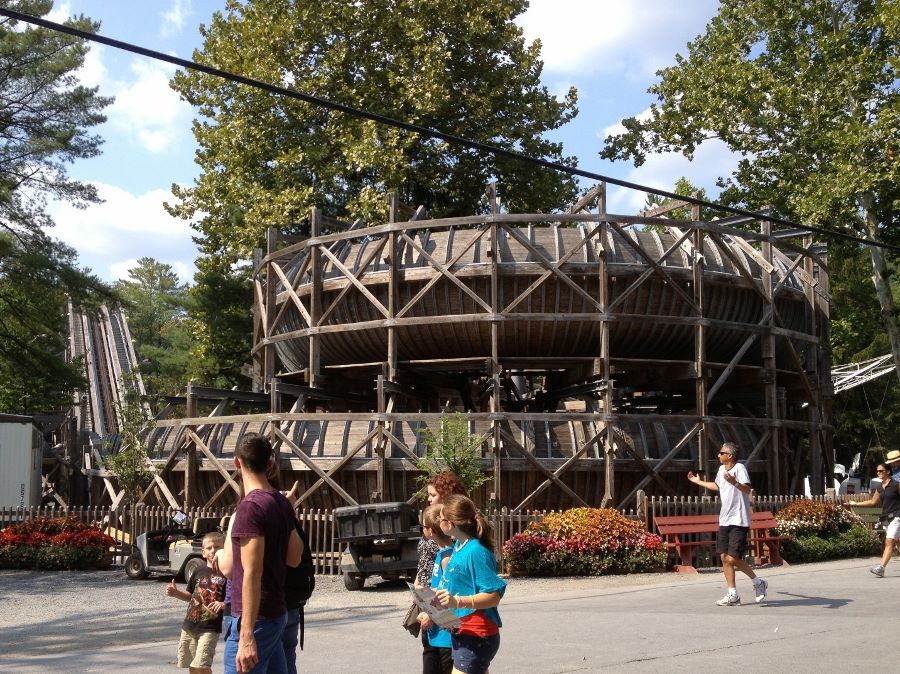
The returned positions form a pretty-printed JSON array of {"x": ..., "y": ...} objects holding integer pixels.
[{"x": 893, "y": 529}]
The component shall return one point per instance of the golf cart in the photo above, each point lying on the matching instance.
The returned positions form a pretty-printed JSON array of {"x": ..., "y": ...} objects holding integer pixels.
[
  {"x": 175, "y": 550},
  {"x": 382, "y": 540}
]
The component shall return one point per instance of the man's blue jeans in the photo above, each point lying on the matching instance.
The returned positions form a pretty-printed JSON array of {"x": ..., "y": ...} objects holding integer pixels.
[
  {"x": 268, "y": 632},
  {"x": 290, "y": 637}
]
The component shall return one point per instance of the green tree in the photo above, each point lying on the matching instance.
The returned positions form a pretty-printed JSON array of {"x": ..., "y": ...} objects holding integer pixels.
[
  {"x": 683, "y": 187},
  {"x": 222, "y": 323},
  {"x": 153, "y": 296},
  {"x": 157, "y": 318},
  {"x": 130, "y": 463},
  {"x": 456, "y": 449},
  {"x": 45, "y": 118},
  {"x": 806, "y": 92},
  {"x": 458, "y": 65}
]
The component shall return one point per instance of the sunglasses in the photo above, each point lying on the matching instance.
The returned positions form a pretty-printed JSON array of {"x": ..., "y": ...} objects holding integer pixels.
[{"x": 724, "y": 453}]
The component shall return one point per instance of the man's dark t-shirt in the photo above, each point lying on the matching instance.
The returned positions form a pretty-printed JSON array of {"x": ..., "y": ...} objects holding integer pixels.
[
  {"x": 266, "y": 513},
  {"x": 206, "y": 586}
]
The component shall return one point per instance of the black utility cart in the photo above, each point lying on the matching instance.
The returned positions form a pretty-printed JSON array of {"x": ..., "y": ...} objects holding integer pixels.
[{"x": 381, "y": 540}]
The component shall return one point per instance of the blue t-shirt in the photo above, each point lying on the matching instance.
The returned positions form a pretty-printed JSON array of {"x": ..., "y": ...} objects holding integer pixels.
[
  {"x": 473, "y": 569},
  {"x": 437, "y": 637}
]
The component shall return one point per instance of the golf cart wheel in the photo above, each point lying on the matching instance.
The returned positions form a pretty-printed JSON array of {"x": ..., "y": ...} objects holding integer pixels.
[
  {"x": 354, "y": 582},
  {"x": 191, "y": 567},
  {"x": 135, "y": 569}
]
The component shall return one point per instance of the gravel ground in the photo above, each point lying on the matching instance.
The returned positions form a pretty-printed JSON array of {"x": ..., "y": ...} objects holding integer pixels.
[{"x": 51, "y": 612}]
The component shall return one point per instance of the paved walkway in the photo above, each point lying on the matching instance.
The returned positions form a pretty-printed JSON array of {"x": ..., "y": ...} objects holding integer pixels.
[{"x": 819, "y": 617}]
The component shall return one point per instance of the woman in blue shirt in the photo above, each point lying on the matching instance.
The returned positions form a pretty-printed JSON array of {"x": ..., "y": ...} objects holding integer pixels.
[{"x": 471, "y": 586}]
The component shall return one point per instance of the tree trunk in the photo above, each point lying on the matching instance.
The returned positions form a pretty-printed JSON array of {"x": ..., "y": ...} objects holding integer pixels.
[{"x": 881, "y": 279}]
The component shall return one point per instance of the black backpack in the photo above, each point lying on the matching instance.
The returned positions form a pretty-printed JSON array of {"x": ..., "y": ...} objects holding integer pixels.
[{"x": 300, "y": 581}]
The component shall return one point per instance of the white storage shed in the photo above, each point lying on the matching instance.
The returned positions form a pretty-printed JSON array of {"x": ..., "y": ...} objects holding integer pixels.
[{"x": 21, "y": 460}]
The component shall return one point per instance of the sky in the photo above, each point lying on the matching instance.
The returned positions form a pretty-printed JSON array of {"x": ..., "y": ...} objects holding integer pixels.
[{"x": 609, "y": 50}]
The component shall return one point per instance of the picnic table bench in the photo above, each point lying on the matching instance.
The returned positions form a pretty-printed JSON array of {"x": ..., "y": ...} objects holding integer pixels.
[{"x": 685, "y": 533}]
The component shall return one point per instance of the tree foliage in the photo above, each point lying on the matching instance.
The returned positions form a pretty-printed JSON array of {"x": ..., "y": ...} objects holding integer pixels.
[
  {"x": 456, "y": 449},
  {"x": 157, "y": 319},
  {"x": 45, "y": 118},
  {"x": 133, "y": 469},
  {"x": 806, "y": 92},
  {"x": 459, "y": 65},
  {"x": 683, "y": 187},
  {"x": 222, "y": 323}
]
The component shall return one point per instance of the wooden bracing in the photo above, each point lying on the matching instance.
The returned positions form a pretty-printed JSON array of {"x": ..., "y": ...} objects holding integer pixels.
[{"x": 722, "y": 325}]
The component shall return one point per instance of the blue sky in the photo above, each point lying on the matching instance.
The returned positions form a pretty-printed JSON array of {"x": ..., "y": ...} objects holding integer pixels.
[{"x": 608, "y": 50}]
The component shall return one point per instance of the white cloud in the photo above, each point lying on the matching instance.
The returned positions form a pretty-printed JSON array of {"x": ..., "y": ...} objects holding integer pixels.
[
  {"x": 148, "y": 108},
  {"x": 634, "y": 38},
  {"x": 619, "y": 128},
  {"x": 59, "y": 13},
  {"x": 661, "y": 171},
  {"x": 173, "y": 18},
  {"x": 93, "y": 72},
  {"x": 110, "y": 236}
]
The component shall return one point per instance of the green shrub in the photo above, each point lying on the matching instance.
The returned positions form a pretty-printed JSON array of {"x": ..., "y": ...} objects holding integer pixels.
[
  {"x": 584, "y": 542},
  {"x": 857, "y": 541},
  {"x": 806, "y": 517},
  {"x": 823, "y": 531},
  {"x": 54, "y": 543}
]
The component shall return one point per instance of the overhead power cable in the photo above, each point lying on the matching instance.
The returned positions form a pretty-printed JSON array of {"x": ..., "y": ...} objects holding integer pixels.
[{"x": 424, "y": 130}]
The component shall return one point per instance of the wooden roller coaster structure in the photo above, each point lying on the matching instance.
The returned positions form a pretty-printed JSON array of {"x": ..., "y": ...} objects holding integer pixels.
[{"x": 599, "y": 354}]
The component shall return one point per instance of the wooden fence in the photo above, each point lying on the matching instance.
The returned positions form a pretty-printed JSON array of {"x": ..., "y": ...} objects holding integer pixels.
[{"x": 126, "y": 524}]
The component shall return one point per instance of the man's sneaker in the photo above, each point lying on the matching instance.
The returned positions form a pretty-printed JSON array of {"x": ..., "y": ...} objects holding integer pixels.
[
  {"x": 760, "y": 589},
  {"x": 878, "y": 570},
  {"x": 729, "y": 600}
]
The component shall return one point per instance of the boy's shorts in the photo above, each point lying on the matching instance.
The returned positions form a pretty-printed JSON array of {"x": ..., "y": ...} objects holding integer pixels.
[{"x": 197, "y": 649}]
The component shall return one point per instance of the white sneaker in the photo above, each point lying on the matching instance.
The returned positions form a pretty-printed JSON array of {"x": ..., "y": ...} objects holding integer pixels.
[
  {"x": 760, "y": 589},
  {"x": 729, "y": 600},
  {"x": 878, "y": 570}
]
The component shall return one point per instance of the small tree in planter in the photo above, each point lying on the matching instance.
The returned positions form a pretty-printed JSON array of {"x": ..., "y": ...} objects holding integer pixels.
[
  {"x": 823, "y": 531},
  {"x": 455, "y": 449},
  {"x": 54, "y": 543},
  {"x": 584, "y": 542},
  {"x": 132, "y": 467}
]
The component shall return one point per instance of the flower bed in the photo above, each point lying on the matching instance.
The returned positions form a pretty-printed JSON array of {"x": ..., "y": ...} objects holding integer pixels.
[
  {"x": 54, "y": 543},
  {"x": 584, "y": 542},
  {"x": 823, "y": 531}
]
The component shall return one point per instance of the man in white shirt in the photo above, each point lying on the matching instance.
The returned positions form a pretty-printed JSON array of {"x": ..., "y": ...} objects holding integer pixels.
[{"x": 733, "y": 484}]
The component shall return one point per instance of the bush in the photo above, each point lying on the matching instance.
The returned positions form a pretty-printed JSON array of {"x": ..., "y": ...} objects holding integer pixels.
[
  {"x": 823, "y": 531},
  {"x": 806, "y": 517},
  {"x": 584, "y": 542},
  {"x": 857, "y": 541},
  {"x": 54, "y": 543}
]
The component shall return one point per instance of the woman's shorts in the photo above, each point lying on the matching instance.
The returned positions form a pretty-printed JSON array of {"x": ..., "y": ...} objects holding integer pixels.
[
  {"x": 473, "y": 655},
  {"x": 893, "y": 529},
  {"x": 197, "y": 649},
  {"x": 733, "y": 541}
]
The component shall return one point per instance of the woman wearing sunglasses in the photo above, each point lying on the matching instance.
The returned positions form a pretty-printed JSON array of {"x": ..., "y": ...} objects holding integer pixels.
[{"x": 887, "y": 495}]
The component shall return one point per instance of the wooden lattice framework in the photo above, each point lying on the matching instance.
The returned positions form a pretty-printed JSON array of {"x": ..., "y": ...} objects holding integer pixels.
[{"x": 312, "y": 350}]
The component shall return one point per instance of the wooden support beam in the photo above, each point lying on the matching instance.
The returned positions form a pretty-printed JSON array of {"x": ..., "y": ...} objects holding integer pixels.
[
  {"x": 314, "y": 467},
  {"x": 663, "y": 462},
  {"x": 510, "y": 442},
  {"x": 563, "y": 468}
]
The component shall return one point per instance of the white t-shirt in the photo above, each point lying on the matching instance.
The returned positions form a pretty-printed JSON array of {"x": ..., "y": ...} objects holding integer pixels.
[{"x": 735, "y": 503}]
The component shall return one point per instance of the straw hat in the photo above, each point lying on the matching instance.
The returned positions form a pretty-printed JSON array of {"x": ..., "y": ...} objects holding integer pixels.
[{"x": 892, "y": 456}]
